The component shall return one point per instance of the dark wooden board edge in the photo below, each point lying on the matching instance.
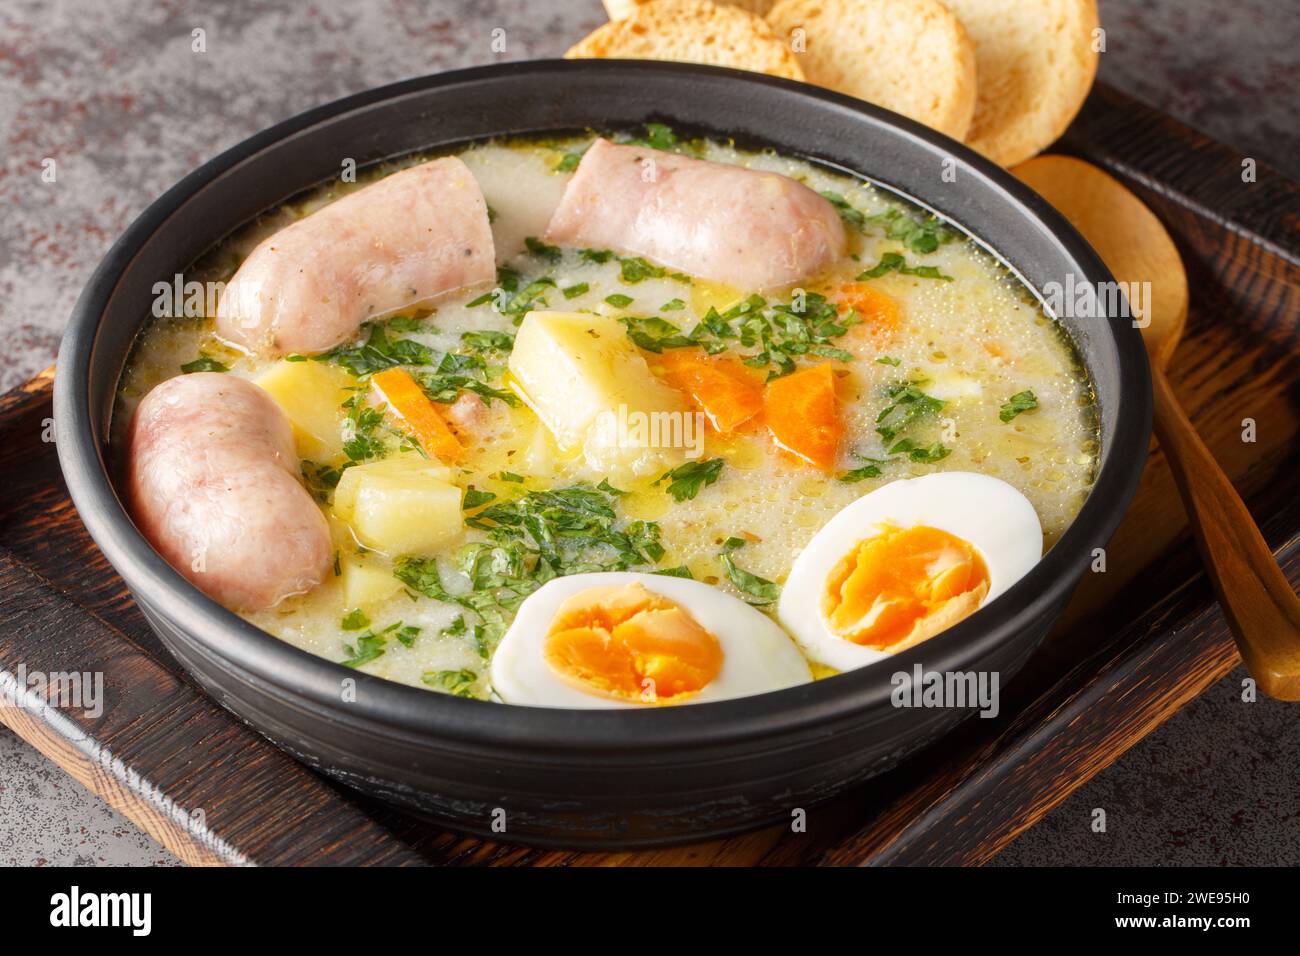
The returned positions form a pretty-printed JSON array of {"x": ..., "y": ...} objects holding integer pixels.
[{"x": 138, "y": 755}]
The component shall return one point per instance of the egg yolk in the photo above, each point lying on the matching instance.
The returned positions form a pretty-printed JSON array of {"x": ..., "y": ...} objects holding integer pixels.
[
  {"x": 627, "y": 643},
  {"x": 903, "y": 586}
]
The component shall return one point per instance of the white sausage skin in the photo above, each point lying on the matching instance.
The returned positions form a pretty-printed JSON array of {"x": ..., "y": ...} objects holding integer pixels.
[
  {"x": 395, "y": 244},
  {"x": 213, "y": 484},
  {"x": 746, "y": 228}
]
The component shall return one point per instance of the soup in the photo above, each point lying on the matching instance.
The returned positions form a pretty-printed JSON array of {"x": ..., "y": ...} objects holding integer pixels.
[{"x": 601, "y": 478}]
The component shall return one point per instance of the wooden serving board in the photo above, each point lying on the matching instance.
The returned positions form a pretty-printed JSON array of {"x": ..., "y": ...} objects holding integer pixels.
[{"x": 1138, "y": 641}]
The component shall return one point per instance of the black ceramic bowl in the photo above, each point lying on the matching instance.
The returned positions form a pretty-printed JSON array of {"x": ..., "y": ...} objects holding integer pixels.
[{"x": 583, "y": 778}]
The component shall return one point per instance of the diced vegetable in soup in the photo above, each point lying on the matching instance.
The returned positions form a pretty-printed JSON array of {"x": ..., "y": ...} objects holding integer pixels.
[{"x": 721, "y": 423}]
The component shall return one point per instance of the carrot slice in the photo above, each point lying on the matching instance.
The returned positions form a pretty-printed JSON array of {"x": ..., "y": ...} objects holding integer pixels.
[
  {"x": 878, "y": 311},
  {"x": 416, "y": 414},
  {"x": 725, "y": 389},
  {"x": 801, "y": 413}
]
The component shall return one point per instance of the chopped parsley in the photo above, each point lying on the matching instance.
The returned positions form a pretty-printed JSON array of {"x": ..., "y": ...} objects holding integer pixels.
[
  {"x": 654, "y": 334},
  {"x": 1025, "y": 401},
  {"x": 355, "y": 620},
  {"x": 570, "y": 160},
  {"x": 636, "y": 269},
  {"x": 378, "y": 352},
  {"x": 367, "y": 648},
  {"x": 488, "y": 341},
  {"x": 458, "y": 683},
  {"x": 618, "y": 300},
  {"x": 686, "y": 480},
  {"x": 681, "y": 571},
  {"x": 672, "y": 305},
  {"x": 746, "y": 582},
  {"x": 928, "y": 454},
  {"x": 921, "y": 236},
  {"x": 870, "y": 470},
  {"x": 573, "y": 291},
  {"x": 366, "y": 430},
  {"x": 321, "y": 480},
  {"x": 893, "y": 262},
  {"x": 445, "y": 388},
  {"x": 851, "y": 215},
  {"x": 474, "y": 498},
  {"x": 531, "y": 540},
  {"x": 538, "y": 248},
  {"x": 204, "y": 363},
  {"x": 657, "y": 136},
  {"x": 889, "y": 360},
  {"x": 781, "y": 332},
  {"x": 907, "y": 403}
]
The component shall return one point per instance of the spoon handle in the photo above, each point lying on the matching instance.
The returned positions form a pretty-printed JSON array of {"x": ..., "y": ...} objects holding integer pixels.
[{"x": 1262, "y": 609}]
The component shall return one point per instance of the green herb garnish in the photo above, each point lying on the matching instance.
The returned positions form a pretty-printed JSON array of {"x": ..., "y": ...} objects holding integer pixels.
[
  {"x": 907, "y": 403},
  {"x": 921, "y": 236},
  {"x": 474, "y": 498},
  {"x": 1020, "y": 402},
  {"x": 851, "y": 215},
  {"x": 355, "y": 620},
  {"x": 893, "y": 262},
  {"x": 378, "y": 352},
  {"x": 536, "y": 247},
  {"x": 870, "y": 470},
  {"x": 618, "y": 300},
  {"x": 927, "y": 454},
  {"x": 204, "y": 363},
  {"x": 570, "y": 160},
  {"x": 685, "y": 481},
  {"x": 746, "y": 582},
  {"x": 488, "y": 341},
  {"x": 457, "y": 683},
  {"x": 573, "y": 291},
  {"x": 681, "y": 571}
]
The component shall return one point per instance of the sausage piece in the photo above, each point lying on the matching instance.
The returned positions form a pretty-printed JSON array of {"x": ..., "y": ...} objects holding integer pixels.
[
  {"x": 212, "y": 480},
  {"x": 392, "y": 245},
  {"x": 746, "y": 228}
]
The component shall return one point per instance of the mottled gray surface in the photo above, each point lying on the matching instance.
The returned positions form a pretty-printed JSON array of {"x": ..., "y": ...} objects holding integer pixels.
[
  {"x": 114, "y": 94},
  {"x": 1218, "y": 785}
]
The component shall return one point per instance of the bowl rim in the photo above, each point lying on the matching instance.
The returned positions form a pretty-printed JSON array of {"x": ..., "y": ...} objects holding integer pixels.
[{"x": 388, "y": 707}]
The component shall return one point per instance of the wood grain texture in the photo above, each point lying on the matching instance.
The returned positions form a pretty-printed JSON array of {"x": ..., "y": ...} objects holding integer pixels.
[
  {"x": 1259, "y": 602},
  {"x": 1137, "y": 642}
]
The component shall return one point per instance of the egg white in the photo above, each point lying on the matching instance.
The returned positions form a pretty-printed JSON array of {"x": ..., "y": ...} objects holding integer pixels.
[
  {"x": 990, "y": 514},
  {"x": 757, "y": 655}
]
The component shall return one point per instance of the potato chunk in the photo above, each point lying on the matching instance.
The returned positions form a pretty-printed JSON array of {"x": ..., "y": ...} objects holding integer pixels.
[
  {"x": 404, "y": 505},
  {"x": 591, "y": 387},
  {"x": 366, "y": 583},
  {"x": 312, "y": 395}
]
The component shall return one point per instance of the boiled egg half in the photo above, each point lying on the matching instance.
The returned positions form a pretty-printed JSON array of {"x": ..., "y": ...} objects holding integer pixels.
[
  {"x": 905, "y": 562},
  {"x": 628, "y": 639}
]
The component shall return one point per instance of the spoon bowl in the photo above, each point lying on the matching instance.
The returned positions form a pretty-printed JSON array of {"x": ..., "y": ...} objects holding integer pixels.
[{"x": 1256, "y": 597}]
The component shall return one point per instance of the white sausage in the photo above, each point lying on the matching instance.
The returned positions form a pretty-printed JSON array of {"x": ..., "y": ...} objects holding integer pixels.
[
  {"x": 750, "y": 229},
  {"x": 396, "y": 244},
  {"x": 214, "y": 485}
]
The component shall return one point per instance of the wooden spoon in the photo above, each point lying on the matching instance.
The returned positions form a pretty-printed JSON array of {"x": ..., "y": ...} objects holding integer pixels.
[{"x": 1260, "y": 605}]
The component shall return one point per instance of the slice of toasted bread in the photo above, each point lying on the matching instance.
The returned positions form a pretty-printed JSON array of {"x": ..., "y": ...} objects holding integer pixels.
[
  {"x": 691, "y": 31},
  {"x": 618, "y": 9},
  {"x": 910, "y": 56},
  {"x": 1036, "y": 63}
]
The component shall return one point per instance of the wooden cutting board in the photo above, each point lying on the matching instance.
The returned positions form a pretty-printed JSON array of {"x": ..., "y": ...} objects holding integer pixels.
[{"x": 1137, "y": 642}]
